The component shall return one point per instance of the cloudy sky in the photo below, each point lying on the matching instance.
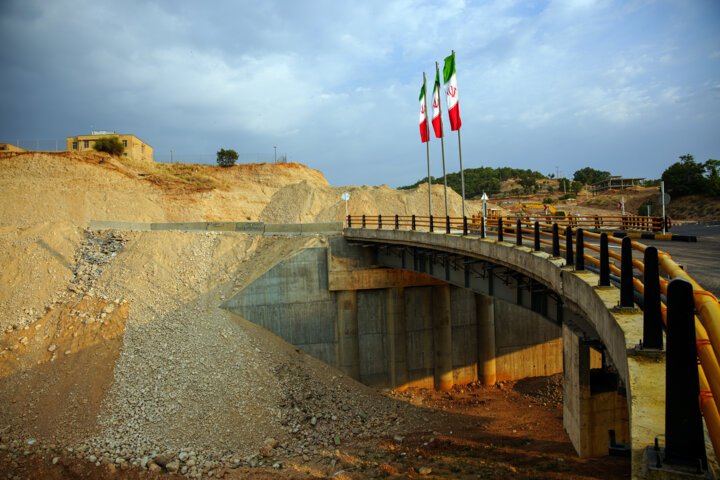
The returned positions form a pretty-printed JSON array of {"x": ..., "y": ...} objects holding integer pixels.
[{"x": 624, "y": 86}]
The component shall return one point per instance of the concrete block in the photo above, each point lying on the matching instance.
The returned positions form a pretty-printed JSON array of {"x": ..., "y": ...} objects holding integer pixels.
[
  {"x": 221, "y": 226},
  {"x": 183, "y": 227},
  {"x": 322, "y": 228},
  {"x": 283, "y": 228},
  {"x": 113, "y": 225},
  {"x": 250, "y": 227}
]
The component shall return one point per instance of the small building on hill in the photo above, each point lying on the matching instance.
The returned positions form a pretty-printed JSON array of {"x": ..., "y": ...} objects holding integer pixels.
[
  {"x": 134, "y": 147},
  {"x": 615, "y": 183},
  {"x": 8, "y": 147}
]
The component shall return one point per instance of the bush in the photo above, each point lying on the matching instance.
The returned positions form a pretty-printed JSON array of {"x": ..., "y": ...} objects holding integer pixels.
[
  {"x": 588, "y": 176},
  {"x": 548, "y": 200},
  {"x": 111, "y": 145},
  {"x": 226, "y": 158},
  {"x": 655, "y": 209},
  {"x": 568, "y": 196}
]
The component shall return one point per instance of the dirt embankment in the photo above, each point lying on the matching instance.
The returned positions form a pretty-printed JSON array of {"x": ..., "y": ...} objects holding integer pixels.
[
  {"x": 79, "y": 187},
  {"x": 114, "y": 355}
]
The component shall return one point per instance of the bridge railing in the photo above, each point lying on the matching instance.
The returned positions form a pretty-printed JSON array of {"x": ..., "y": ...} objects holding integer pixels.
[{"x": 640, "y": 282}]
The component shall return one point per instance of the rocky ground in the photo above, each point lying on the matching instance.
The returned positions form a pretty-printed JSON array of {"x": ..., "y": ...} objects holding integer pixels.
[
  {"x": 116, "y": 362},
  {"x": 512, "y": 430}
]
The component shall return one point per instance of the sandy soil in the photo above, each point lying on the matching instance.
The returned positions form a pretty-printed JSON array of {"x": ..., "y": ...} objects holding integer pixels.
[{"x": 116, "y": 362}]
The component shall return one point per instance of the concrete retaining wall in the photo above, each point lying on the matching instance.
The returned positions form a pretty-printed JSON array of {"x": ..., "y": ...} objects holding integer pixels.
[
  {"x": 257, "y": 228},
  {"x": 392, "y": 343}
]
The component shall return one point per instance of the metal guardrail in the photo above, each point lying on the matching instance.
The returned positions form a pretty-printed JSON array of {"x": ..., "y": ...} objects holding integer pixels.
[{"x": 670, "y": 302}]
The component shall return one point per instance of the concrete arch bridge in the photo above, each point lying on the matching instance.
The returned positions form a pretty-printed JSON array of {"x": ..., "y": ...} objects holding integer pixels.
[{"x": 397, "y": 306}]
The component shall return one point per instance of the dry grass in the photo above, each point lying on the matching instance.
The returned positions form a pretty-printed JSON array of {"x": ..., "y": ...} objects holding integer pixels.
[{"x": 170, "y": 175}]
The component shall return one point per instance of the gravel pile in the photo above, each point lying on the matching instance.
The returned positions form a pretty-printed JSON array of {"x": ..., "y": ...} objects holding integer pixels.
[
  {"x": 546, "y": 391},
  {"x": 93, "y": 256},
  {"x": 197, "y": 389},
  {"x": 321, "y": 413}
]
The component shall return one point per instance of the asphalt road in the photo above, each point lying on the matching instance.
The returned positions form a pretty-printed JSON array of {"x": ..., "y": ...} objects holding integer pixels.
[{"x": 702, "y": 259}]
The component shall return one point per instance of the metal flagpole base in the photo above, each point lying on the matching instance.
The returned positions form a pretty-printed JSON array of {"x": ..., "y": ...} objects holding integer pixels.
[{"x": 655, "y": 457}]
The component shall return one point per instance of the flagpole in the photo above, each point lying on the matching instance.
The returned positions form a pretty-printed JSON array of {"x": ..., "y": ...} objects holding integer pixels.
[
  {"x": 427, "y": 128},
  {"x": 462, "y": 174},
  {"x": 442, "y": 138}
]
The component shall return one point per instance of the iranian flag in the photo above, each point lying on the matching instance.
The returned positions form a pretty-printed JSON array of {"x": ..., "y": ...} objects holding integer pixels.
[
  {"x": 424, "y": 127},
  {"x": 437, "y": 118},
  {"x": 452, "y": 93}
]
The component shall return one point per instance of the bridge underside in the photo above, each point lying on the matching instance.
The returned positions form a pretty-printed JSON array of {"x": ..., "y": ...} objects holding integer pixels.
[{"x": 401, "y": 316}]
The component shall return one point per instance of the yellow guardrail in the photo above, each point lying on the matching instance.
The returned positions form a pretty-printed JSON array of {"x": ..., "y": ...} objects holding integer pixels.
[{"x": 707, "y": 321}]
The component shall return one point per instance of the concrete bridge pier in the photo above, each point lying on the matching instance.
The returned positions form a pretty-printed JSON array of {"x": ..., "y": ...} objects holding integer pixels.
[
  {"x": 486, "y": 369},
  {"x": 442, "y": 332},
  {"x": 394, "y": 300},
  {"x": 592, "y": 404},
  {"x": 346, "y": 334}
]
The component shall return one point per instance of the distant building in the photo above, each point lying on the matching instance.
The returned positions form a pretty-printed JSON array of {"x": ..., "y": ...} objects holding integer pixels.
[
  {"x": 7, "y": 147},
  {"x": 615, "y": 183},
  {"x": 134, "y": 147}
]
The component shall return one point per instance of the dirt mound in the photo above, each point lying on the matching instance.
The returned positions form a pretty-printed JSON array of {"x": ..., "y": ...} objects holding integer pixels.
[
  {"x": 137, "y": 362},
  {"x": 77, "y": 188},
  {"x": 303, "y": 202},
  {"x": 113, "y": 346}
]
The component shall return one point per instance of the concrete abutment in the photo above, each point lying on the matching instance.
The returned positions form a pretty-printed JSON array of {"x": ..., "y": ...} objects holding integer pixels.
[{"x": 393, "y": 327}]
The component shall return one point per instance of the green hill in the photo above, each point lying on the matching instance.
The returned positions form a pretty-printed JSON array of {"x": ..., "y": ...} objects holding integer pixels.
[{"x": 484, "y": 179}]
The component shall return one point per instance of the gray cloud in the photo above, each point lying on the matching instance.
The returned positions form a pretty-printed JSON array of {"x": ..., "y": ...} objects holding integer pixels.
[{"x": 335, "y": 84}]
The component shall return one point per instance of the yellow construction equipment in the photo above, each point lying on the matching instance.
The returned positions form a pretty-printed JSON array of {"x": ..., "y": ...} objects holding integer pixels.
[{"x": 547, "y": 209}]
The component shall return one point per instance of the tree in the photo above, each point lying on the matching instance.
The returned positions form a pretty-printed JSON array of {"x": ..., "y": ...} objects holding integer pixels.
[
  {"x": 527, "y": 183},
  {"x": 111, "y": 145},
  {"x": 588, "y": 176},
  {"x": 563, "y": 184},
  {"x": 226, "y": 158},
  {"x": 684, "y": 177},
  {"x": 712, "y": 182}
]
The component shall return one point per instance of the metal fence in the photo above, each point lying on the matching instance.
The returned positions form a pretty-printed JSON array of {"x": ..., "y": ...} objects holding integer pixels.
[
  {"x": 58, "y": 145},
  {"x": 669, "y": 298},
  {"x": 37, "y": 144},
  {"x": 211, "y": 158}
]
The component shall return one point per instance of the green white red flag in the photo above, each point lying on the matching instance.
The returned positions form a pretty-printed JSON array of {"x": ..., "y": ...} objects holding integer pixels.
[
  {"x": 424, "y": 127},
  {"x": 452, "y": 93},
  {"x": 437, "y": 118}
]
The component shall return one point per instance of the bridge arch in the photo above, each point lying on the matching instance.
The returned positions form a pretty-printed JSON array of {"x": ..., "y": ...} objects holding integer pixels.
[{"x": 545, "y": 285}]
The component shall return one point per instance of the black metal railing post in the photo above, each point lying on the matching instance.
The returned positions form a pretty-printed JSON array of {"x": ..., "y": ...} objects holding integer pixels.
[
  {"x": 652, "y": 310},
  {"x": 604, "y": 262},
  {"x": 349, "y": 221},
  {"x": 597, "y": 222},
  {"x": 413, "y": 222},
  {"x": 579, "y": 250},
  {"x": 397, "y": 222},
  {"x": 556, "y": 240},
  {"x": 500, "y": 230},
  {"x": 569, "y": 260},
  {"x": 447, "y": 224},
  {"x": 537, "y": 236},
  {"x": 431, "y": 223},
  {"x": 465, "y": 225},
  {"x": 626, "y": 274},
  {"x": 482, "y": 227},
  {"x": 363, "y": 221},
  {"x": 518, "y": 232},
  {"x": 379, "y": 222},
  {"x": 684, "y": 438}
]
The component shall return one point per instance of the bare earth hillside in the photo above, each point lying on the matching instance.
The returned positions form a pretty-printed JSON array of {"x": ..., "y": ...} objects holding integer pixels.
[{"x": 117, "y": 362}]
